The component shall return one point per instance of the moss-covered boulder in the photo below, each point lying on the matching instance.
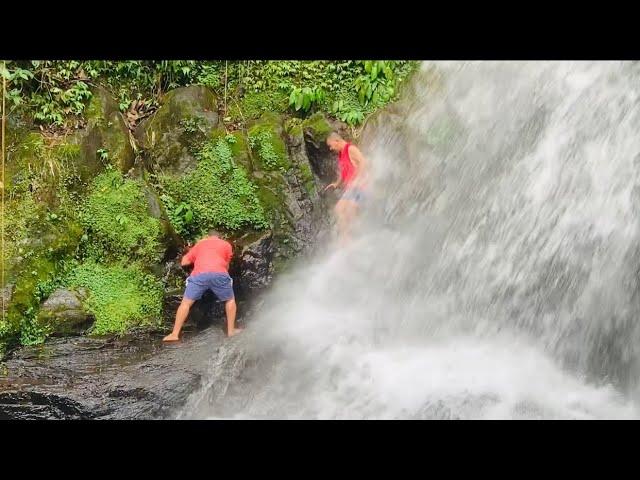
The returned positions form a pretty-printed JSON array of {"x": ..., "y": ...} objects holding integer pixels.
[
  {"x": 105, "y": 140},
  {"x": 63, "y": 313},
  {"x": 40, "y": 258},
  {"x": 186, "y": 117},
  {"x": 39, "y": 164}
]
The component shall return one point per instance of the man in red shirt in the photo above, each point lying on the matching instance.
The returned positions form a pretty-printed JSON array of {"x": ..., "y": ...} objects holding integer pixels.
[
  {"x": 210, "y": 258},
  {"x": 352, "y": 172}
]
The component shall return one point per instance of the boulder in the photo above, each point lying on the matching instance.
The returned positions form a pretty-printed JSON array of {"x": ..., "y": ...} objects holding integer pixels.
[
  {"x": 186, "y": 116},
  {"x": 63, "y": 312}
]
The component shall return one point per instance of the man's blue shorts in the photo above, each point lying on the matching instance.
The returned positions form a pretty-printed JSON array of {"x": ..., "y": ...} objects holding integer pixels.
[{"x": 218, "y": 282}]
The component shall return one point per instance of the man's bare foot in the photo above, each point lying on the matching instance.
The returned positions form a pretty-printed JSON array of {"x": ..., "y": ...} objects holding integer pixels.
[
  {"x": 171, "y": 338},
  {"x": 235, "y": 332}
]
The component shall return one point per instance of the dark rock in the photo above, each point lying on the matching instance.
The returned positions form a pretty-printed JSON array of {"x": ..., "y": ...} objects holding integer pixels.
[
  {"x": 253, "y": 266},
  {"x": 323, "y": 161},
  {"x": 171, "y": 241},
  {"x": 91, "y": 378}
]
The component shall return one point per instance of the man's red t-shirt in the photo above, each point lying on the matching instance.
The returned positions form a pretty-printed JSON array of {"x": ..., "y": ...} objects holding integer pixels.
[{"x": 211, "y": 254}]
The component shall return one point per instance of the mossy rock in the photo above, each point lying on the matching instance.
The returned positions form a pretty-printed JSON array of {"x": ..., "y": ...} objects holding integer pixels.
[
  {"x": 317, "y": 127},
  {"x": 39, "y": 267},
  {"x": 240, "y": 150},
  {"x": 63, "y": 313},
  {"x": 266, "y": 137},
  {"x": 122, "y": 297},
  {"x": 23, "y": 158},
  {"x": 107, "y": 132},
  {"x": 123, "y": 220},
  {"x": 186, "y": 117},
  {"x": 169, "y": 238}
]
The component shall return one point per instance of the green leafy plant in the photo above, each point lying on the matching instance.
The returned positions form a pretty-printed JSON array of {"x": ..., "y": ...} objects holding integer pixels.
[
  {"x": 180, "y": 215},
  {"x": 347, "y": 112},
  {"x": 103, "y": 155},
  {"x": 263, "y": 140},
  {"x": 305, "y": 98},
  {"x": 56, "y": 91},
  {"x": 191, "y": 125},
  {"x": 218, "y": 194},
  {"x": 121, "y": 297},
  {"x": 114, "y": 203}
]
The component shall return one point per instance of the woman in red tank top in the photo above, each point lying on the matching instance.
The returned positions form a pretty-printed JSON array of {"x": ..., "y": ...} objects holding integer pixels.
[
  {"x": 347, "y": 170},
  {"x": 351, "y": 167}
]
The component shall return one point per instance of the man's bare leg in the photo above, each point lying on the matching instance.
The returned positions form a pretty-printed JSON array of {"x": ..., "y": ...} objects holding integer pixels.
[
  {"x": 230, "y": 309},
  {"x": 181, "y": 317}
]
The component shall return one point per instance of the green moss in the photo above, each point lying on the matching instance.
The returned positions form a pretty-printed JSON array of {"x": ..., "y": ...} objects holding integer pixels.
[
  {"x": 270, "y": 193},
  {"x": 117, "y": 218},
  {"x": 218, "y": 193},
  {"x": 22, "y": 215},
  {"x": 306, "y": 175},
  {"x": 26, "y": 301},
  {"x": 318, "y": 126},
  {"x": 293, "y": 126},
  {"x": 24, "y": 161},
  {"x": 121, "y": 298},
  {"x": 94, "y": 111},
  {"x": 254, "y": 104},
  {"x": 267, "y": 144},
  {"x": 116, "y": 141},
  {"x": 67, "y": 152},
  {"x": 37, "y": 275}
]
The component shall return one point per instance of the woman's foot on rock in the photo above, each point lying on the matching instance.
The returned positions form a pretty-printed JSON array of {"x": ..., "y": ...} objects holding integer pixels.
[{"x": 171, "y": 338}]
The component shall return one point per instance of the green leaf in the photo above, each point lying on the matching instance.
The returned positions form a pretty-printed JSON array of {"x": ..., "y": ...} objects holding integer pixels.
[
  {"x": 188, "y": 217},
  {"x": 374, "y": 72},
  {"x": 361, "y": 95},
  {"x": 5, "y": 73},
  {"x": 299, "y": 101}
]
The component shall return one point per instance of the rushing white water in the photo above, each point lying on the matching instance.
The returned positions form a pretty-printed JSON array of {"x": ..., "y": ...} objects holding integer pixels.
[{"x": 494, "y": 273}]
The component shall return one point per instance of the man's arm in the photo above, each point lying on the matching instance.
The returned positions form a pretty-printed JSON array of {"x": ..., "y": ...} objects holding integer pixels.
[
  {"x": 189, "y": 257},
  {"x": 229, "y": 253}
]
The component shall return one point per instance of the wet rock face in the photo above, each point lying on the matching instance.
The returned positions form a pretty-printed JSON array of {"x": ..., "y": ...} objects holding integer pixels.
[
  {"x": 93, "y": 378},
  {"x": 253, "y": 267}
]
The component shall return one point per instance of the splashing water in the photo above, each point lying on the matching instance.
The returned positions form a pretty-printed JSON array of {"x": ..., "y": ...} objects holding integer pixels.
[{"x": 495, "y": 269}]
